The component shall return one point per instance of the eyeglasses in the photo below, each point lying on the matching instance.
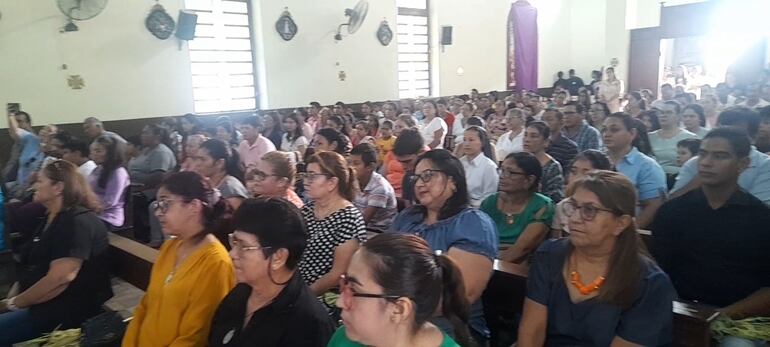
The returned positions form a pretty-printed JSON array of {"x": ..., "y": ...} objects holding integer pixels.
[
  {"x": 260, "y": 176},
  {"x": 311, "y": 176},
  {"x": 587, "y": 211},
  {"x": 509, "y": 173},
  {"x": 161, "y": 205},
  {"x": 347, "y": 294},
  {"x": 426, "y": 175},
  {"x": 241, "y": 248}
]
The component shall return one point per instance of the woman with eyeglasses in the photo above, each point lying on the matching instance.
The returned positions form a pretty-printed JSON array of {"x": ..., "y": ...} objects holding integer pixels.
[
  {"x": 271, "y": 305},
  {"x": 585, "y": 162},
  {"x": 274, "y": 177},
  {"x": 536, "y": 140},
  {"x": 599, "y": 273},
  {"x": 521, "y": 214},
  {"x": 63, "y": 278},
  {"x": 443, "y": 217},
  {"x": 335, "y": 226},
  {"x": 193, "y": 271},
  {"x": 219, "y": 163},
  {"x": 391, "y": 290}
]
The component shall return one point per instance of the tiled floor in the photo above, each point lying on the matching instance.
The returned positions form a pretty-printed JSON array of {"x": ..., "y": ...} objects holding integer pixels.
[{"x": 125, "y": 299}]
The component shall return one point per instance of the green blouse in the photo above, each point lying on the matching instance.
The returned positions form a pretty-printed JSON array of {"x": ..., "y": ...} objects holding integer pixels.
[
  {"x": 340, "y": 339},
  {"x": 509, "y": 233}
]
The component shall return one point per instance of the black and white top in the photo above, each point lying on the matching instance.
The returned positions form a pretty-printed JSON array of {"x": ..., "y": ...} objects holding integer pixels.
[{"x": 325, "y": 235}]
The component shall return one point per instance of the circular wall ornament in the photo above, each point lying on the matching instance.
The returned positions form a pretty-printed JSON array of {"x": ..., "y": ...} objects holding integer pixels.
[
  {"x": 285, "y": 26},
  {"x": 384, "y": 34},
  {"x": 159, "y": 23}
]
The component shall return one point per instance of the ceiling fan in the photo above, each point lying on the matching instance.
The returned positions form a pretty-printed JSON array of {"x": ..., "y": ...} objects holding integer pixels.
[
  {"x": 356, "y": 18},
  {"x": 79, "y": 10}
]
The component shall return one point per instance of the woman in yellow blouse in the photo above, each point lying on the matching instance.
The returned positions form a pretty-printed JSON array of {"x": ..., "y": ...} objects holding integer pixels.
[{"x": 193, "y": 272}]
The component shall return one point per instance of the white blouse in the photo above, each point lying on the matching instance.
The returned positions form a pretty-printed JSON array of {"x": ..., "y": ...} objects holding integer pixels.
[
  {"x": 481, "y": 177},
  {"x": 505, "y": 145},
  {"x": 287, "y": 146},
  {"x": 427, "y": 131}
]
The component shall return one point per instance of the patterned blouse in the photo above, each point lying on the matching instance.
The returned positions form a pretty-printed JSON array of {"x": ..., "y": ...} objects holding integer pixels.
[{"x": 552, "y": 181}]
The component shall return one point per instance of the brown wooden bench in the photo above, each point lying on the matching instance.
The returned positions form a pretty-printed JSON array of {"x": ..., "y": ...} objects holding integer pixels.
[
  {"x": 505, "y": 293},
  {"x": 131, "y": 261}
]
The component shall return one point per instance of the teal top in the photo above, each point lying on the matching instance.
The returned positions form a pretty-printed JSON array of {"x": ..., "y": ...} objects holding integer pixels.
[
  {"x": 509, "y": 233},
  {"x": 340, "y": 339}
]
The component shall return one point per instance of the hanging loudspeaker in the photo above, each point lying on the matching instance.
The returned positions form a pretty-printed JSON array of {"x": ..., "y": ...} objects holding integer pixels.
[
  {"x": 446, "y": 35},
  {"x": 185, "y": 27}
]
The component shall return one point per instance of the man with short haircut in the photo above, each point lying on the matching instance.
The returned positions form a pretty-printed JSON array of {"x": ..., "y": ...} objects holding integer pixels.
[
  {"x": 537, "y": 107},
  {"x": 254, "y": 145},
  {"x": 753, "y": 99},
  {"x": 485, "y": 106},
  {"x": 666, "y": 93},
  {"x": 377, "y": 199},
  {"x": 561, "y": 82},
  {"x": 77, "y": 152},
  {"x": 755, "y": 179},
  {"x": 713, "y": 241},
  {"x": 574, "y": 83},
  {"x": 94, "y": 128},
  {"x": 577, "y": 129},
  {"x": 409, "y": 145},
  {"x": 560, "y": 147}
]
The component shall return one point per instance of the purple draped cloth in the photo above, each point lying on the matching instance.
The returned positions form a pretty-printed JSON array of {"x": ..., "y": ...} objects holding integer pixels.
[{"x": 522, "y": 46}]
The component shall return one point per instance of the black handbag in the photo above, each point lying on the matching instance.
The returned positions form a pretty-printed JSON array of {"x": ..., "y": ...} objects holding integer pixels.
[{"x": 104, "y": 330}]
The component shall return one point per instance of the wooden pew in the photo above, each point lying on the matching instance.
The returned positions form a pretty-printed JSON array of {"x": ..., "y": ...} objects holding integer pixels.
[
  {"x": 505, "y": 293},
  {"x": 132, "y": 261}
]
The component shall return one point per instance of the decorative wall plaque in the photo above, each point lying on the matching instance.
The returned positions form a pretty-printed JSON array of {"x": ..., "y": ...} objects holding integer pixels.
[
  {"x": 384, "y": 34},
  {"x": 285, "y": 25}
]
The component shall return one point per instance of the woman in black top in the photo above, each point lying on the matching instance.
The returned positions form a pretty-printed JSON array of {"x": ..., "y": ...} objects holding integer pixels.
[
  {"x": 63, "y": 277},
  {"x": 271, "y": 305}
]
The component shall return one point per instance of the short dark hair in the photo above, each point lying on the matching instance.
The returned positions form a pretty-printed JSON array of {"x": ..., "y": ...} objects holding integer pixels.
[
  {"x": 76, "y": 145},
  {"x": 277, "y": 224},
  {"x": 698, "y": 109},
  {"x": 409, "y": 142},
  {"x": 26, "y": 116},
  {"x": 541, "y": 127},
  {"x": 739, "y": 114},
  {"x": 692, "y": 145},
  {"x": 598, "y": 159},
  {"x": 332, "y": 135},
  {"x": 736, "y": 137},
  {"x": 255, "y": 121},
  {"x": 528, "y": 163},
  {"x": 315, "y": 104},
  {"x": 674, "y": 103},
  {"x": 63, "y": 136},
  {"x": 556, "y": 112},
  {"x": 578, "y": 106},
  {"x": 367, "y": 152},
  {"x": 475, "y": 120}
]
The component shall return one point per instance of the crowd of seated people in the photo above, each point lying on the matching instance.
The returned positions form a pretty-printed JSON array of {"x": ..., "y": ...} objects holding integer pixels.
[{"x": 388, "y": 219}]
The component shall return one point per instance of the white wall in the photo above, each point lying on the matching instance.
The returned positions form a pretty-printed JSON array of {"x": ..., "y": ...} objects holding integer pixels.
[
  {"x": 128, "y": 73},
  {"x": 306, "y": 68},
  {"x": 478, "y": 45}
]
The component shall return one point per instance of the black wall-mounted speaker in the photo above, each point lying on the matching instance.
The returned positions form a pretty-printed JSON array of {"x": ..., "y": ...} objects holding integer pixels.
[
  {"x": 446, "y": 35},
  {"x": 185, "y": 27}
]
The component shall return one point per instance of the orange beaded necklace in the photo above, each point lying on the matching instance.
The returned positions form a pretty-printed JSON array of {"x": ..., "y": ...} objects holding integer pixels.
[{"x": 575, "y": 279}]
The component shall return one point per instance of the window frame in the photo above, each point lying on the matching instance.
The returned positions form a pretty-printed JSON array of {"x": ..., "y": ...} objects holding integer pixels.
[{"x": 417, "y": 12}]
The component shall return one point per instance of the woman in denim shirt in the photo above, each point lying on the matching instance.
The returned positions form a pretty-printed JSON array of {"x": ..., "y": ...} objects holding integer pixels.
[{"x": 444, "y": 219}]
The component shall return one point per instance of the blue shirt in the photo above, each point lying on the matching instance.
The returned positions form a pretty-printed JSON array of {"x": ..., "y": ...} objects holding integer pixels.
[
  {"x": 30, "y": 157},
  {"x": 645, "y": 173},
  {"x": 586, "y": 138},
  {"x": 471, "y": 230},
  {"x": 647, "y": 322},
  {"x": 755, "y": 179}
]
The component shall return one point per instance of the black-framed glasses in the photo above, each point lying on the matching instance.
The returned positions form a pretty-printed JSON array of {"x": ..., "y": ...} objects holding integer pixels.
[
  {"x": 240, "y": 247},
  {"x": 161, "y": 206},
  {"x": 309, "y": 177},
  {"x": 587, "y": 211},
  {"x": 505, "y": 173},
  {"x": 258, "y": 175},
  {"x": 347, "y": 293},
  {"x": 426, "y": 175}
]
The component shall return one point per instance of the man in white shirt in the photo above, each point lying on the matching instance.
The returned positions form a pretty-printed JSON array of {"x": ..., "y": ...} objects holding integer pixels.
[
  {"x": 753, "y": 100},
  {"x": 666, "y": 94},
  {"x": 77, "y": 152}
]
